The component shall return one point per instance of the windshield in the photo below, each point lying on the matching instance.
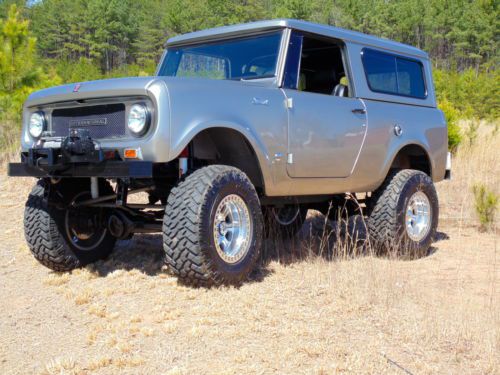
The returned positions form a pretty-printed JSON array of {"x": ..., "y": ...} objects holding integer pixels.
[{"x": 245, "y": 58}]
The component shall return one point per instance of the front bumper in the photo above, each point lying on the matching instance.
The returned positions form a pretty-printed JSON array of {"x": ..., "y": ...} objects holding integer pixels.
[{"x": 48, "y": 162}]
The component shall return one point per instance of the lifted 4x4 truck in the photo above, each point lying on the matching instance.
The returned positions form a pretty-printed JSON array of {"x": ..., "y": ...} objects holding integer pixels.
[{"x": 239, "y": 125}]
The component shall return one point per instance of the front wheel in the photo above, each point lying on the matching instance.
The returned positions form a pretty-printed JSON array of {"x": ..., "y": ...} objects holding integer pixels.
[
  {"x": 403, "y": 214},
  {"x": 212, "y": 229},
  {"x": 60, "y": 235}
]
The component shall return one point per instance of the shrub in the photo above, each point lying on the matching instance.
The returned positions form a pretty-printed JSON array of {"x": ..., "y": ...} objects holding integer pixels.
[
  {"x": 473, "y": 94},
  {"x": 472, "y": 132},
  {"x": 486, "y": 204},
  {"x": 76, "y": 71},
  {"x": 452, "y": 116},
  {"x": 19, "y": 75}
]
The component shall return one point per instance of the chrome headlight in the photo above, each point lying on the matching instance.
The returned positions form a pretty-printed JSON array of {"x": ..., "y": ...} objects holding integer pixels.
[
  {"x": 37, "y": 124},
  {"x": 138, "y": 119}
]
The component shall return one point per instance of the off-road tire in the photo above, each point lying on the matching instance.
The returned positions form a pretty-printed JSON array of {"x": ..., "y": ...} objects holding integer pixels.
[
  {"x": 44, "y": 227},
  {"x": 188, "y": 238},
  {"x": 273, "y": 228},
  {"x": 387, "y": 210}
]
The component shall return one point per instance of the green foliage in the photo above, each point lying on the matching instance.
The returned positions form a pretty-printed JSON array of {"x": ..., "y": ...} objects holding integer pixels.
[
  {"x": 452, "y": 115},
  {"x": 17, "y": 51},
  {"x": 486, "y": 205},
  {"x": 19, "y": 73},
  {"x": 147, "y": 47},
  {"x": 473, "y": 94},
  {"x": 459, "y": 34},
  {"x": 294, "y": 9},
  {"x": 77, "y": 71}
]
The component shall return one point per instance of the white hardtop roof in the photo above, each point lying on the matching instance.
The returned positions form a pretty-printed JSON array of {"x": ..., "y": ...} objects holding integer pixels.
[{"x": 308, "y": 27}]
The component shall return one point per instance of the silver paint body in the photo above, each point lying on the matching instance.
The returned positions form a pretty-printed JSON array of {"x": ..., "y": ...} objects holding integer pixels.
[{"x": 306, "y": 143}]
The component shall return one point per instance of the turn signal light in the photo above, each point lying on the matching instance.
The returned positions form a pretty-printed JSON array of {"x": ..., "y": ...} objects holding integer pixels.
[{"x": 130, "y": 153}]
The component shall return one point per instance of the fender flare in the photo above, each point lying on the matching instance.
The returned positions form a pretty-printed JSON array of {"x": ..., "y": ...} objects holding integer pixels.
[
  {"x": 255, "y": 142},
  {"x": 388, "y": 162}
]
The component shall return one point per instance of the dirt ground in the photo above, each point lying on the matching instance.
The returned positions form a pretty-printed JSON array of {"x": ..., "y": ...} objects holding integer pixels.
[{"x": 307, "y": 310}]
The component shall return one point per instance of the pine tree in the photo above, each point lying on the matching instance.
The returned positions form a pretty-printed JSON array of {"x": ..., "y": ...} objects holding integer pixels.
[
  {"x": 151, "y": 35},
  {"x": 17, "y": 52}
]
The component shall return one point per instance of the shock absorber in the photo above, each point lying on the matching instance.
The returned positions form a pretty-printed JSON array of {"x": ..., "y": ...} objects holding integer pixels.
[
  {"x": 94, "y": 187},
  {"x": 183, "y": 161}
]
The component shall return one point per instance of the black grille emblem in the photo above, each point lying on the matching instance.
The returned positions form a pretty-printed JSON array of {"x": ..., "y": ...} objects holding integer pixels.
[{"x": 88, "y": 122}]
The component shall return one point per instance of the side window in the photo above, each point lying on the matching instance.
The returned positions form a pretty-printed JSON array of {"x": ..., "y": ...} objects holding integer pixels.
[
  {"x": 381, "y": 71},
  {"x": 263, "y": 66},
  {"x": 315, "y": 65},
  {"x": 391, "y": 74},
  {"x": 291, "y": 77},
  {"x": 410, "y": 78}
]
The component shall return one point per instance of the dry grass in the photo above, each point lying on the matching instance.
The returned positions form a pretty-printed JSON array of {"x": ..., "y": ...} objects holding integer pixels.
[
  {"x": 472, "y": 164},
  {"x": 316, "y": 306}
]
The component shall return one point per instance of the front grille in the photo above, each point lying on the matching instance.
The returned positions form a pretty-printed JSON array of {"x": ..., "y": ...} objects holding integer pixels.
[{"x": 102, "y": 121}]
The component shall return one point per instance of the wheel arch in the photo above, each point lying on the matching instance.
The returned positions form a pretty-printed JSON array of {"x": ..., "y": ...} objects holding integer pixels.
[
  {"x": 232, "y": 145},
  {"x": 412, "y": 156}
]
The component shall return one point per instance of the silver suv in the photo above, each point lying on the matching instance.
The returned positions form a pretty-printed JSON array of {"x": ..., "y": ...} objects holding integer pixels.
[{"x": 241, "y": 125}]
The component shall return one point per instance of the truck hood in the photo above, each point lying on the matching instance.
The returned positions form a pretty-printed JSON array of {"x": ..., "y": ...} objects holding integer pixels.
[
  {"x": 130, "y": 86},
  {"x": 105, "y": 88}
]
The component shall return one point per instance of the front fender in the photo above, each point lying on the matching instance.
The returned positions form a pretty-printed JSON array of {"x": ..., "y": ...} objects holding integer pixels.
[
  {"x": 201, "y": 104},
  {"x": 191, "y": 130}
]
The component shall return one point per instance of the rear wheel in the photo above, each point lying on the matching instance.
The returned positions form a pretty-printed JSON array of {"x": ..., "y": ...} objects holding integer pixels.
[
  {"x": 212, "y": 229},
  {"x": 404, "y": 213},
  {"x": 61, "y": 236},
  {"x": 284, "y": 221}
]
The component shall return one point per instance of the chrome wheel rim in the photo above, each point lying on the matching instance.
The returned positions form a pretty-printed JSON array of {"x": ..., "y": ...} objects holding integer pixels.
[
  {"x": 418, "y": 216},
  {"x": 232, "y": 229}
]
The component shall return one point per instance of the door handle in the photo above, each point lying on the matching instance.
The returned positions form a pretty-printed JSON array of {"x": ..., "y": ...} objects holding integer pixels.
[
  {"x": 260, "y": 101},
  {"x": 359, "y": 111}
]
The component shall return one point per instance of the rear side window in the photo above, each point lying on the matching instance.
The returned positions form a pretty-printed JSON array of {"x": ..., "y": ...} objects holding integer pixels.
[{"x": 391, "y": 74}]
